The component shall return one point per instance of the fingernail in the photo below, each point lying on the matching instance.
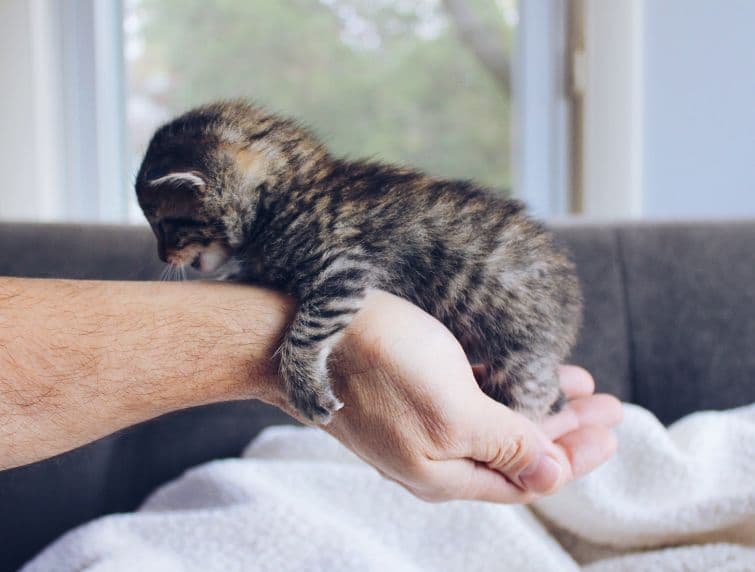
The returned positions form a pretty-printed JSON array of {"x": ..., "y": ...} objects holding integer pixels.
[{"x": 541, "y": 475}]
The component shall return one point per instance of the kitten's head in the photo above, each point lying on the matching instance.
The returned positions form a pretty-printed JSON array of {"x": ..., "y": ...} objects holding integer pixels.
[{"x": 201, "y": 182}]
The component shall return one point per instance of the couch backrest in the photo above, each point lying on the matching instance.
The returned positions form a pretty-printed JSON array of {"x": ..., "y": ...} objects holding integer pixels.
[{"x": 670, "y": 312}]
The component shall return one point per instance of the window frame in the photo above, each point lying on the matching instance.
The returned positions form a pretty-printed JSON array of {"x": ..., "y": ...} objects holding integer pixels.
[
  {"x": 542, "y": 108},
  {"x": 610, "y": 66},
  {"x": 75, "y": 105}
]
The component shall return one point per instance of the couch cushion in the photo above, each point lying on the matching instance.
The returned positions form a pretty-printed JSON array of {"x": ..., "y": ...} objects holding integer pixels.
[
  {"x": 602, "y": 347},
  {"x": 691, "y": 310}
]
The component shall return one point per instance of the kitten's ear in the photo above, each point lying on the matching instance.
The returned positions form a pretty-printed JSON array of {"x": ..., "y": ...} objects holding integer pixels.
[{"x": 189, "y": 180}]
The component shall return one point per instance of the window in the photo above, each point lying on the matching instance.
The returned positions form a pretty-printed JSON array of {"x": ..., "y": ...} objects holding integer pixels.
[
  {"x": 460, "y": 88},
  {"x": 575, "y": 105},
  {"x": 425, "y": 83}
]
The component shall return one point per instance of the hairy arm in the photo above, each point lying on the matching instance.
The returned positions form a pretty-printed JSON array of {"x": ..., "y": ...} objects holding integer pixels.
[{"x": 80, "y": 360}]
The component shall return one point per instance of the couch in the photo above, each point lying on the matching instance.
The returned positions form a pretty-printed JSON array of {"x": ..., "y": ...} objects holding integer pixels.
[{"x": 669, "y": 324}]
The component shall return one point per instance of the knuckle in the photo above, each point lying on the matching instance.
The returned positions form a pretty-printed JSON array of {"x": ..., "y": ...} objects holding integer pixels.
[{"x": 510, "y": 455}]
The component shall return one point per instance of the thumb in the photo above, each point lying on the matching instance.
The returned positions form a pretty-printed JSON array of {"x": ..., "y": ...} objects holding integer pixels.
[{"x": 512, "y": 445}]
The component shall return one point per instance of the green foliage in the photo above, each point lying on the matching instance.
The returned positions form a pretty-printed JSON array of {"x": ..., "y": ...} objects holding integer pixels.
[{"x": 405, "y": 91}]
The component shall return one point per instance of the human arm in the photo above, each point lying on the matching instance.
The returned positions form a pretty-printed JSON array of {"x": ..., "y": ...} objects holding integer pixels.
[
  {"x": 82, "y": 359},
  {"x": 79, "y": 360}
]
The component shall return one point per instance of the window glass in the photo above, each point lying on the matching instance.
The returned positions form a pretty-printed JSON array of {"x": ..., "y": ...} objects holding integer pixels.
[{"x": 417, "y": 82}]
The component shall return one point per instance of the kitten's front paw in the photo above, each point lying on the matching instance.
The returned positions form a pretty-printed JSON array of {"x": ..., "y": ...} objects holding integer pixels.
[
  {"x": 305, "y": 374},
  {"x": 315, "y": 403}
]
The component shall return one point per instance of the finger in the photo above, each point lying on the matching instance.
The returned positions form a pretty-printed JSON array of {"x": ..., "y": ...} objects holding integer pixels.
[
  {"x": 601, "y": 409},
  {"x": 587, "y": 448},
  {"x": 563, "y": 422},
  {"x": 575, "y": 381}
]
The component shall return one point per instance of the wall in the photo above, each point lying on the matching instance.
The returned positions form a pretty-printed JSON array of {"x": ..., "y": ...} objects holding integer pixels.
[
  {"x": 699, "y": 108},
  {"x": 669, "y": 115}
]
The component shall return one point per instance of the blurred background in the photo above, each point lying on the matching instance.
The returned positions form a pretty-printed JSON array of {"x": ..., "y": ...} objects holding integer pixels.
[{"x": 607, "y": 109}]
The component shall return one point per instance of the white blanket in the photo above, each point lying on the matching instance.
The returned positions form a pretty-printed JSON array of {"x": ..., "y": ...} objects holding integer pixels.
[{"x": 678, "y": 499}]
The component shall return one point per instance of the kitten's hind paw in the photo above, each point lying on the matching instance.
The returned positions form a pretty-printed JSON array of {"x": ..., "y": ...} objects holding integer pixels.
[
  {"x": 559, "y": 404},
  {"x": 315, "y": 405}
]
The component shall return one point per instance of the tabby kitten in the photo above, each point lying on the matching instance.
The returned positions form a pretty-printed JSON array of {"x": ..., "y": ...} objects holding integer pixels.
[{"x": 230, "y": 187}]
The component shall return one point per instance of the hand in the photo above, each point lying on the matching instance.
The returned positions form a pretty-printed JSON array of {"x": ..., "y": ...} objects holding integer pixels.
[{"x": 414, "y": 411}]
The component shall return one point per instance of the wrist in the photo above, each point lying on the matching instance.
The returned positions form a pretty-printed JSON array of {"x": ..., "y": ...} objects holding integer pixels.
[{"x": 225, "y": 338}]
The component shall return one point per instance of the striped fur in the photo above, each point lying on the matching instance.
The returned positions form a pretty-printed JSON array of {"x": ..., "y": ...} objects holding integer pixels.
[{"x": 236, "y": 179}]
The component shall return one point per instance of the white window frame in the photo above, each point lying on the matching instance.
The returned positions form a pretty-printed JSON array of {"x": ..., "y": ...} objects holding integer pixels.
[
  {"x": 75, "y": 104},
  {"x": 92, "y": 107},
  {"x": 542, "y": 105},
  {"x": 612, "y": 71}
]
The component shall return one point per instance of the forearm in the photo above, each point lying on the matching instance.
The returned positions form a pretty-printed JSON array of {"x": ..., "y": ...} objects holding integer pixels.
[{"x": 79, "y": 360}]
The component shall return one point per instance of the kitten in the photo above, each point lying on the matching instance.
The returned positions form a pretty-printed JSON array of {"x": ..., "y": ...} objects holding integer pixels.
[{"x": 231, "y": 186}]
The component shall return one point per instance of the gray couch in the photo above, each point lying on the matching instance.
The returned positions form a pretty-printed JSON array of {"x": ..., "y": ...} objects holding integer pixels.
[{"x": 669, "y": 324}]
